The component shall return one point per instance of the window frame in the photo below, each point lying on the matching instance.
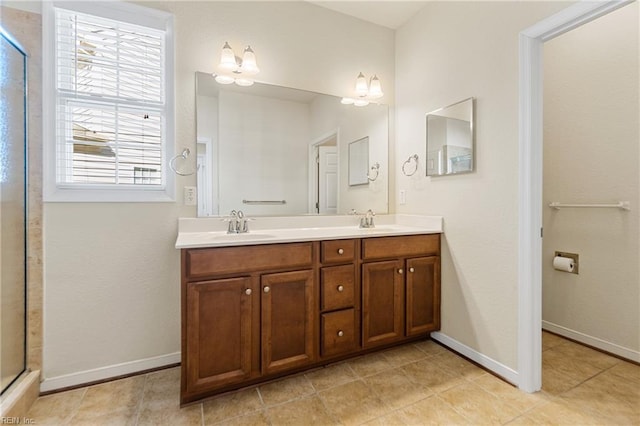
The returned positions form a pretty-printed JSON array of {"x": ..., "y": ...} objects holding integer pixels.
[{"x": 53, "y": 191}]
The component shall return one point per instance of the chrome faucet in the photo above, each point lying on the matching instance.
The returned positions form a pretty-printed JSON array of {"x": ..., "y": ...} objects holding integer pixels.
[
  {"x": 367, "y": 220},
  {"x": 237, "y": 223}
]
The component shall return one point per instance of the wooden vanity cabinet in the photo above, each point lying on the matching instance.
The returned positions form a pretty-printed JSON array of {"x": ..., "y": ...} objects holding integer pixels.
[
  {"x": 401, "y": 295},
  {"x": 247, "y": 312},
  {"x": 254, "y": 313},
  {"x": 339, "y": 298}
]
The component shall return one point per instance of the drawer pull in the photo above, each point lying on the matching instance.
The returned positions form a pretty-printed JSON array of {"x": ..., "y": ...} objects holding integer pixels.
[
  {"x": 412, "y": 270},
  {"x": 340, "y": 251},
  {"x": 248, "y": 292},
  {"x": 400, "y": 271},
  {"x": 340, "y": 288},
  {"x": 340, "y": 333},
  {"x": 267, "y": 289}
]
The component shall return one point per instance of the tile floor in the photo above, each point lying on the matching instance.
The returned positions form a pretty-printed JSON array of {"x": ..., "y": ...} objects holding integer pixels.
[{"x": 420, "y": 383}]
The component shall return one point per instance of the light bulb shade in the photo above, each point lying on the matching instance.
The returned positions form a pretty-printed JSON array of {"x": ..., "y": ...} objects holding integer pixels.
[
  {"x": 347, "y": 101},
  {"x": 249, "y": 64},
  {"x": 224, "y": 79},
  {"x": 227, "y": 59},
  {"x": 375, "y": 89},
  {"x": 361, "y": 102},
  {"x": 361, "y": 85},
  {"x": 244, "y": 82}
]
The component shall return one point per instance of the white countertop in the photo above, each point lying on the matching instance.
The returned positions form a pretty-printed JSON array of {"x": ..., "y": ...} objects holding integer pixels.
[{"x": 211, "y": 232}]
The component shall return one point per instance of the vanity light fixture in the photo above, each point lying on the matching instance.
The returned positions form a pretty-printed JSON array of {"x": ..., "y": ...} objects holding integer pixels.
[
  {"x": 233, "y": 69},
  {"x": 365, "y": 91}
]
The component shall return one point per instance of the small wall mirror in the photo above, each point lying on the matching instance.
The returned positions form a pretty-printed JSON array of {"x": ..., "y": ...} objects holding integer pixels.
[
  {"x": 359, "y": 162},
  {"x": 450, "y": 139}
]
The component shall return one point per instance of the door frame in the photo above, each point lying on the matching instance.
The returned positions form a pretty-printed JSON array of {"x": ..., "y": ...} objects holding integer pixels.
[
  {"x": 313, "y": 167},
  {"x": 530, "y": 172}
]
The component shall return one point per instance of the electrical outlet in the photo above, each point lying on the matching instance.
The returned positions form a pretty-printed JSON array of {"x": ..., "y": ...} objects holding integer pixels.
[
  {"x": 403, "y": 196},
  {"x": 190, "y": 195}
]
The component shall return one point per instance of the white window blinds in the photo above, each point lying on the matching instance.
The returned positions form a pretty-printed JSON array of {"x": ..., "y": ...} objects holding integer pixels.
[{"x": 110, "y": 103}]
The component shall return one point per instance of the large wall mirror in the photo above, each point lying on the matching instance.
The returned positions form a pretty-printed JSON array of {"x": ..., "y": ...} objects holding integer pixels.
[
  {"x": 272, "y": 150},
  {"x": 450, "y": 139}
]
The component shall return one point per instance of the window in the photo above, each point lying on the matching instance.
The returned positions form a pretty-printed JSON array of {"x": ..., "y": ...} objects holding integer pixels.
[{"x": 113, "y": 104}]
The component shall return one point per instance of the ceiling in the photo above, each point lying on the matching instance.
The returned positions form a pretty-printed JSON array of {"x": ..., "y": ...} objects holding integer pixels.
[{"x": 390, "y": 14}]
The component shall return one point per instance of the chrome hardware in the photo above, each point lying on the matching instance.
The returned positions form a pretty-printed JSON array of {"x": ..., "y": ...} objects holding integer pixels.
[
  {"x": 400, "y": 271},
  {"x": 248, "y": 292},
  {"x": 412, "y": 270},
  {"x": 367, "y": 220},
  {"x": 341, "y": 288},
  {"x": 340, "y": 251},
  {"x": 238, "y": 223},
  {"x": 266, "y": 289},
  {"x": 340, "y": 333}
]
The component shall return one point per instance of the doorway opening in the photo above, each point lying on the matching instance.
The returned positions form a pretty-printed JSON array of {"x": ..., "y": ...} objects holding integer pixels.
[
  {"x": 324, "y": 175},
  {"x": 530, "y": 180}
]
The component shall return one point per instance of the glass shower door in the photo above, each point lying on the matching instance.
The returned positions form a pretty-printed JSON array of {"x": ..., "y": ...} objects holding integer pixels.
[{"x": 13, "y": 90}]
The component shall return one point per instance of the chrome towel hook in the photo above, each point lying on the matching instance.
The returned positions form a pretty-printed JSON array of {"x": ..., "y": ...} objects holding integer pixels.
[
  {"x": 413, "y": 157},
  {"x": 184, "y": 155}
]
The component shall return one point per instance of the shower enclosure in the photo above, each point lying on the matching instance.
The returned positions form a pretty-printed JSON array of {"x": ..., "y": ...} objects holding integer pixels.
[{"x": 13, "y": 207}]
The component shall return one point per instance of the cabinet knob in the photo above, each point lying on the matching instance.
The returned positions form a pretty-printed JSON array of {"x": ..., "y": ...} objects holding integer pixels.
[
  {"x": 266, "y": 289},
  {"x": 412, "y": 270},
  {"x": 340, "y": 288},
  {"x": 340, "y": 251},
  {"x": 400, "y": 271},
  {"x": 248, "y": 292},
  {"x": 340, "y": 333}
]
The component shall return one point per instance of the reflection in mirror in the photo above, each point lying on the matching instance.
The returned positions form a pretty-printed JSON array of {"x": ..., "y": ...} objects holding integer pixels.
[
  {"x": 359, "y": 162},
  {"x": 450, "y": 145},
  {"x": 272, "y": 150}
]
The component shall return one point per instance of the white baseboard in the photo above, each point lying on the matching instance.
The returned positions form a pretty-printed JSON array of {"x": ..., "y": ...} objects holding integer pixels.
[
  {"x": 612, "y": 348},
  {"x": 102, "y": 373},
  {"x": 501, "y": 370}
]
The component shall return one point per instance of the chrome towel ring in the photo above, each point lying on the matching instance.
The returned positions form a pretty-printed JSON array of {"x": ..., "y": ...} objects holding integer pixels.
[
  {"x": 184, "y": 155},
  {"x": 375, "y": 168},
  {"x": 413, "y": 157}
]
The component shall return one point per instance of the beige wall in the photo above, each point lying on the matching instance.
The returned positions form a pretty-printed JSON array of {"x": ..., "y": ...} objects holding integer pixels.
[
  {"x": 112, "y": 275},
  {"x": 591, "y": 155},
  {"x": 448, "y": 52}
]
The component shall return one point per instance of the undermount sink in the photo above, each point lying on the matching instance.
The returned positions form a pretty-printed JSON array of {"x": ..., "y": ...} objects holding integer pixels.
[{"x": 216, "y": 236}]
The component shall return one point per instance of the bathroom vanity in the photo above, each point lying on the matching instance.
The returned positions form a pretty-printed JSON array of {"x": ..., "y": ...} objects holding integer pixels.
[{"x": 268, "y": 303}]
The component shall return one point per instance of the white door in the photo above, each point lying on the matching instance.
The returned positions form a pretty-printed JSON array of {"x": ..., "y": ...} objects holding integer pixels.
[{"x": 327, "y": 180}]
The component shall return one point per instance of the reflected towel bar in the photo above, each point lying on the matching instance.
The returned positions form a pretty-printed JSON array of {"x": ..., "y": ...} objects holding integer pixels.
[
  {"x": 264, "y": 201},
  {"x": 623, "y": 205}
]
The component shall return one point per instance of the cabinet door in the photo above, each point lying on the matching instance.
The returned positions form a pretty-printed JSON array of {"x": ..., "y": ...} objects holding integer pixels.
[
  {"x": 382, "y": 302},
  {"x": 423, "y": 295},
  {"x": 287, "y": 320},
  {"x": 218, "y": 341}
]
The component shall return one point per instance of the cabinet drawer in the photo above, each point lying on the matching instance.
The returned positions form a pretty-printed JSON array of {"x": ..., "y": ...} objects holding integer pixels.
[
  {"x": 408, "y": 245},
  {"x": 337, "y": 251},
  {"x": 227, "y": 260},
  {"x": 339, "y": 332},
  {"x": 337, "y": 287}
]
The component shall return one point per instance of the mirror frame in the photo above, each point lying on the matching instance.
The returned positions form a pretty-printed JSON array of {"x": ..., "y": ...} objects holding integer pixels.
[{"x": 472, "y": 128}]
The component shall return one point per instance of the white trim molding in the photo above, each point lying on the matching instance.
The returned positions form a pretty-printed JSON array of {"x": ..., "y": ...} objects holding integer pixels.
[
  {"x": 530, "y": 179},
  {"x": 592, "y": 341},
  {"x": 108, "y": 372},
  {"x": 509, "y": 374}
]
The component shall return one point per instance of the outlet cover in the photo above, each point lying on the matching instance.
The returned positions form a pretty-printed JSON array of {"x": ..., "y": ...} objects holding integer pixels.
[{"x": 190, "y": 195}]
